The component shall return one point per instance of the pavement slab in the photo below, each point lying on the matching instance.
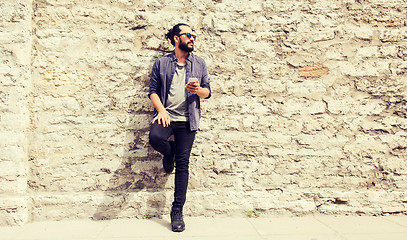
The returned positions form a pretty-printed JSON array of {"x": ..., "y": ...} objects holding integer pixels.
[
  {"x": 199, "y": 228},
  {"x": 362, "y": 225}
]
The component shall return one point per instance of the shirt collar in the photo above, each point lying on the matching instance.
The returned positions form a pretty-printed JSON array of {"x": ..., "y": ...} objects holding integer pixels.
[{"x": 189, "y": 58}]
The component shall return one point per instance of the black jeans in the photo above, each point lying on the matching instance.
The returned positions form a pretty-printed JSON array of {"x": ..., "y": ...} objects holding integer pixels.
[{"x": 184, "y": 139}]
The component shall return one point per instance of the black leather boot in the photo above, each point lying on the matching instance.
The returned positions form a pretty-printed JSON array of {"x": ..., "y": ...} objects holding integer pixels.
[{"x": 177, "y": 222}]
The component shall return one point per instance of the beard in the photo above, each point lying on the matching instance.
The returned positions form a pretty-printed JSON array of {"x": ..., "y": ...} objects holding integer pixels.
[{"x": 184, "y": 47}]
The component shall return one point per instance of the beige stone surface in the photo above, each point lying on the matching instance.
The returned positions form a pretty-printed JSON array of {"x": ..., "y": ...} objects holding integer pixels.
[
  {"x": 272, "y": 227},
  {"x": 307, "y": 115}
]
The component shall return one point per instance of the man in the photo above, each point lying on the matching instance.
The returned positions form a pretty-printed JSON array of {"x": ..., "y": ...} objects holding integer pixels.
[{"x": 178, "y": 81}]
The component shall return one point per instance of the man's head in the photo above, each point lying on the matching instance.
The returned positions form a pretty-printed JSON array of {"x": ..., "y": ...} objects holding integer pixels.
[{"x": 182, "y": 37}]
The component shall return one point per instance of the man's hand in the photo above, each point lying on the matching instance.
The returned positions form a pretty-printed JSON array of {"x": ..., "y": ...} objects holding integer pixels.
[
  {"x": 162, "y": 118},
  {"x": 193, "y": 87}
]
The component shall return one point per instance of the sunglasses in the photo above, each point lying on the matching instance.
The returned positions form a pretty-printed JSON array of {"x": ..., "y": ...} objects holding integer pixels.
[{"x": 187, "y": 34}]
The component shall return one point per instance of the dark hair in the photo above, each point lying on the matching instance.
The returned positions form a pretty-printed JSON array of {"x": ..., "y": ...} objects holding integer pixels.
[{"x": 174, "y": 32}]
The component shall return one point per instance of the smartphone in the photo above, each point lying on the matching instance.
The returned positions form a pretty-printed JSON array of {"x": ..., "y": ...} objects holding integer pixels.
[{"x": 192, "y": 80}]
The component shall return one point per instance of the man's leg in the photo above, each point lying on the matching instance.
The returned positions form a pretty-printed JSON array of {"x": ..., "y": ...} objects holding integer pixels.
[
  {"x": 158, "y": 139},
  {"x": 184, "y": 139}
]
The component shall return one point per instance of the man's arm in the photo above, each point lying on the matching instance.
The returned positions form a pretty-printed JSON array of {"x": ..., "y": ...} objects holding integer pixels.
[
  {"x": 162, "y": 116},
  {"x": 205, "y": 83},
  {"x": 194, "y": 88},
  {"x": 203, "y": 90},
  {"x": 155, "y": 88}
]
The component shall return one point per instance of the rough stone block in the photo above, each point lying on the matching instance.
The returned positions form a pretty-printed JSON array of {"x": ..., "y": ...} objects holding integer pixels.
[
  {"x": 307, "y": 113},
  {"x": 316, "y": 70},
  {"x": 14, "y": 210}
]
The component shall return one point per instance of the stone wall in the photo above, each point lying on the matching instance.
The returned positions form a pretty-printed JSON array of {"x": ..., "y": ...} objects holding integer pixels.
[
  {"x": 308, "y": 111},
  {"x": 15, "y": 88}
]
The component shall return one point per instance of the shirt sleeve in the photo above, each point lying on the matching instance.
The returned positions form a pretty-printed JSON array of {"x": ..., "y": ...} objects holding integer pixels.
[
  {"x": 205, "y": 79},
  {"x": 155, "y": 83}
]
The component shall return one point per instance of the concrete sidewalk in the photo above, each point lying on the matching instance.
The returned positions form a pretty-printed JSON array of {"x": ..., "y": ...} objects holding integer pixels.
[{"x": 276, "y": 228}]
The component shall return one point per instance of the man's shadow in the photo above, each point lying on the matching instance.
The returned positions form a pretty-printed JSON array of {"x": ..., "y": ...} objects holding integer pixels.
[{"x": 137, "y": 188}]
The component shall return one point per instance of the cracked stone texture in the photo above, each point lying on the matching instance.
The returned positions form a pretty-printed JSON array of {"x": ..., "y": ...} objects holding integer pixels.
[{"x": 307, "y": 115}]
